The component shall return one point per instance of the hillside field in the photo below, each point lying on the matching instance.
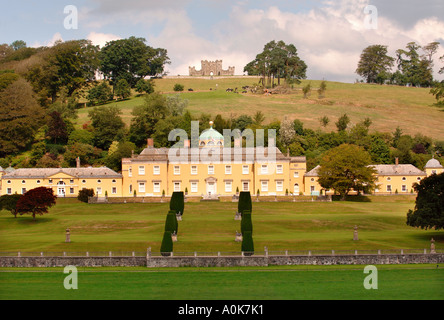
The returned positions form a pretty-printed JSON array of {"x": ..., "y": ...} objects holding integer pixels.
[{"x": 388, "y": 107}]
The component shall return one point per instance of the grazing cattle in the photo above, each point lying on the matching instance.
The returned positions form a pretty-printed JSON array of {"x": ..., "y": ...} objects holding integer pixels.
[
  {"x": 190, "y": 89},
  {"x": 244, "y": 91},
  {"x": 229, "y": 90}
]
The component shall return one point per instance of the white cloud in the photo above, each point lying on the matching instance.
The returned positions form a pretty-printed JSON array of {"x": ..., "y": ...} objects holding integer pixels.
[{"x": 101, "y": 39}]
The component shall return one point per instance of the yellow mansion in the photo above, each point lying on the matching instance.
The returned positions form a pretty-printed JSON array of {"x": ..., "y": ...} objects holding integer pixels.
[{"x": 210, "y": 170}]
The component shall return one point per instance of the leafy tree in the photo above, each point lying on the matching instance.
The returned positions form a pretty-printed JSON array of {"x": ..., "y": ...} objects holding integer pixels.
[
  {"x": 87, "y": 153},
  {"x": 342, "y": 122},
  {"x": 374, "y": 62},
  {"x": 258, "y": 118},
  {"x": 321, "y": 90},
  {"x": 146, "y": 116},
  {"x": 9, "y": 202},
  {"x": 324, "y": 121},
  {"x": 57, "y": 129},
  {"x": 84, "y": 194},
  {"x": 108, "y": 125},
  {"x": 122, "y": 89},
  {"x": 306, "y": 90},
  {"x": 345, "y": 168},
  {"x": 438, "y": 92},
  {"x": 20, "y": 117},
  {"x": 36, "y": 201},
  {"x": 242, "y": 122},
  {"x": 145, "y": 86},
  {"x": 379, "y": 150},
  {"x": 429, "y": 206},
  {"x": 131, "y": 59},
  {"x": 417, "y": 70},
  {"x": 287, "y": 132},
  {"x": 178, "y": 87},
  {"x": 99, "y": 94},
  {"x": 123, "y": 150},
  {"x": 18, "y": 44},
  {"x": 176, "y": 105}
]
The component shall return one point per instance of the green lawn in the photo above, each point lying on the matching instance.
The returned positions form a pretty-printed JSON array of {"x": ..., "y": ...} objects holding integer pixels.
[
  {"x": 387, "y": 106},
  {"x": 210, "y": 227},
  {"x": 273, "y": 283}
]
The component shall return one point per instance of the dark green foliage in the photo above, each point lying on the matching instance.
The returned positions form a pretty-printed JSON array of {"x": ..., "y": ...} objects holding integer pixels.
[
  {"x": 429, "y": 208},
  {"x": 178, "y": 87},
  {"x": 167, "y": 244},
  {"x": 171, "y": 223},
  {"x": 246, "y": 223},
  {"x": 84, "y": 194},
  {"x": 177, "y": 202},
  {"x": 244, "y": 202},
  {"x": 247, "y": 243},
  {"x": 99, "y": 94},
  {"x": 9, "y": 202}
]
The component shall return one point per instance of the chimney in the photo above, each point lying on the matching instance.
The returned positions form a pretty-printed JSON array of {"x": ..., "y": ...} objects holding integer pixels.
[
  {"x": 78, "y": 162},
  {"x": 150, "y": 143},
  {"x": 396, "y": 161},
  {"x": 186, "y": 143}
]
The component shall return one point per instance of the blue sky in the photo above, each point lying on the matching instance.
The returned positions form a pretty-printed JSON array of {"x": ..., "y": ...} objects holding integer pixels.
[{"x": 329, "y": 35}]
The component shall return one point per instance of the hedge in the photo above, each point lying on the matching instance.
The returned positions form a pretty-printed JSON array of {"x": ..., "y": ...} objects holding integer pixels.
[
  {"x": 246, "y": 223},
  {"x": 177, "y": 202},
  {"x": 171, "y": 223},
  {"x": 247, "y": 243},
  {"x": 244, "y": 202},
  {"x": 167, "y": 244}
]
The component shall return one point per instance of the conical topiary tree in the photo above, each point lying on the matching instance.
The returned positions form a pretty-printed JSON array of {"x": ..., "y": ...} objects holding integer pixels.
[
  {"x": 247, "y": 243},
  {"x": 167, "y": 244},
  {"x": 177, "y": 202},
  {"x": 171, "y": 223},
  {"x": 246, "y": 223},
  {"x": 244, "y": 202}
]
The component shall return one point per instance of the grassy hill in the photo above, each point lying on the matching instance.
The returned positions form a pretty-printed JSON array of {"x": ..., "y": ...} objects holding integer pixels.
[{"x": 387, "y": 106}]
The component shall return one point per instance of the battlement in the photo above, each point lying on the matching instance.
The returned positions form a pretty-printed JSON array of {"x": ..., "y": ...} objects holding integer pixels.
[{"x": 211, "y": 68}]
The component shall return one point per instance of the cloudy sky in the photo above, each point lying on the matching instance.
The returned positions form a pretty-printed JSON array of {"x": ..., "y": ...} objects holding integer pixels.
[{"x": 329, "y": 35}]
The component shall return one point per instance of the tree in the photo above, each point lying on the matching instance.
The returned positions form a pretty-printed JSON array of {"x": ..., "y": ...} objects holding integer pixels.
[
  {"x": 131, "y": 59},
  {"x": 108, "y": 125},
  {"x": 321, "y": 90},
  {"x": 247, "y": 243},
  {"x": 171, "y": 224},
  {"x": 9, "y": 202},
  {"x": 123, "y": 150},
  {"x": 258, "y": 118},
  {"x": 429, "y": 206},
  {"x": 18, "y": 44},
  {"x": 57, "y": 129},
  {"x": 324, "y": 121},
  {"x": 416, "y": 70},
  {"x": 20, "y": 117},
  {"x": 145, "y": 86},
  {"x": 246, "y": 223},
  {"x": 176, "y": 105},
  {"x": 36, "y": 201},
  {"x": 84, "y": 195},
  {"x": 438, "y": 92},
  {"x": 178, "y": 87},
  {"x": 177, "y": 202},
  {"x": 244, "y": 203},
  {"x": 287, "y": 132},
  {"x": 166, "y": 246},
  {"x": 122, "y": 89},
  {"x": 99, "y": 94},
  {"x": 342, "y": 122},
  {"x": 306, "y": 90},
  {"x": 346, "y": 167},
  {"x": 374, "y": 61}
]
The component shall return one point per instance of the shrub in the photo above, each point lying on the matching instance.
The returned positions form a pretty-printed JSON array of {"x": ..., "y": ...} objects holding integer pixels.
[
  {"x": 177, "y": 202},
  {"x": 246, "y": 223},
  {"x": 178, "y": 87},
  {"x": 244, "y": 202},
  {"x": 167, "y": 244},
  {"x": 171, "y": 224},
  {"x": 84, "y": 194},
  {"x": 247, "y": 243}
]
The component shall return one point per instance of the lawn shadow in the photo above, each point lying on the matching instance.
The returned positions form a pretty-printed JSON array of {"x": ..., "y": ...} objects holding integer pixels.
[
  {"x": 28, "y": 220},
  {"x": 353, "y": 198}
]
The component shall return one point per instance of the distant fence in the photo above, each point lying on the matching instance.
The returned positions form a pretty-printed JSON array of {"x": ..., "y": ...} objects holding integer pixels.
[{"x": 220, "y": 259}]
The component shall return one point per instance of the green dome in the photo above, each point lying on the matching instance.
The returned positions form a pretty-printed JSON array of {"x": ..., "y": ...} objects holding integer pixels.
[{"x": 211, "y": 137}]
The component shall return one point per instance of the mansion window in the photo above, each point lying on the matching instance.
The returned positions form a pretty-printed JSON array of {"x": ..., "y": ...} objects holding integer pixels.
[
  {"x": 264, "y": 169},
  {"x": 245, "y": 169},
  {"x": 279, "y": 168},
  {"x": 176, "y": 186},
  {"x": 156, "y": 170},
  {"x": 9, "y": 191},
  {"x": 246, "y": 186},
  {"x": 99, "y": 181},
  {"x": 23, "y": 181},
  {"x": 279, "y": 186},
  {"x": 142, "y": 187},
  {"x": 99, "y": 190},
  {"x": 114, "y": 190},
  {"x": 433, "y": 171},
  {"x": 193, "y": 186},
  {"x": 227, "y": 169},
  {"x": 83, "y": 181},
  {"x": 210, "y": 169},
  {"x": 312, "y": 189},
  {"x": 264, "y": 186},
  {"x": 156, "y": 186},
  {"x": 38, "y": 181},
  {"x": 389, "y": 188},
  {"x": 176, "y": 169},
  {"x": 71, "y": 190},
  {"x": 388, "y": 178},
  {"x": 296, "y": 174},
  {"x": 141, "y": 170},
  {"x": 193, "y": 169},
  {"x": 404, "y": 178},
  {"x": 71, "y": 181},
  {"x": 228, "y": 186},
  {"x": 130, "y": 171},
  {"x": 50, "y": 181},
  {"x": 404, "y": 188},
  {"x": 9, "y": 181},
  {"x": 23, "y": 190}
]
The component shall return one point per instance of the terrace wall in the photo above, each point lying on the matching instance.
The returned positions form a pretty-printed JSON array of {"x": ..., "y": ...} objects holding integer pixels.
[{"x": 222, "y": 261}]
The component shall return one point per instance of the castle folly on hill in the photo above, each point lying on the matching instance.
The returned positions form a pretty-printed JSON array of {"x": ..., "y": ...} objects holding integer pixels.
[
  {"x": 154, "y": 172},
  {"x": 211, "y": 68}
]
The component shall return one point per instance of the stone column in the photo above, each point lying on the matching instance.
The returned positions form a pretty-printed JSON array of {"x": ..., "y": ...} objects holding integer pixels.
[
  {"x": 68, "y": 236},
  {"x": 355, "y": 234}
]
